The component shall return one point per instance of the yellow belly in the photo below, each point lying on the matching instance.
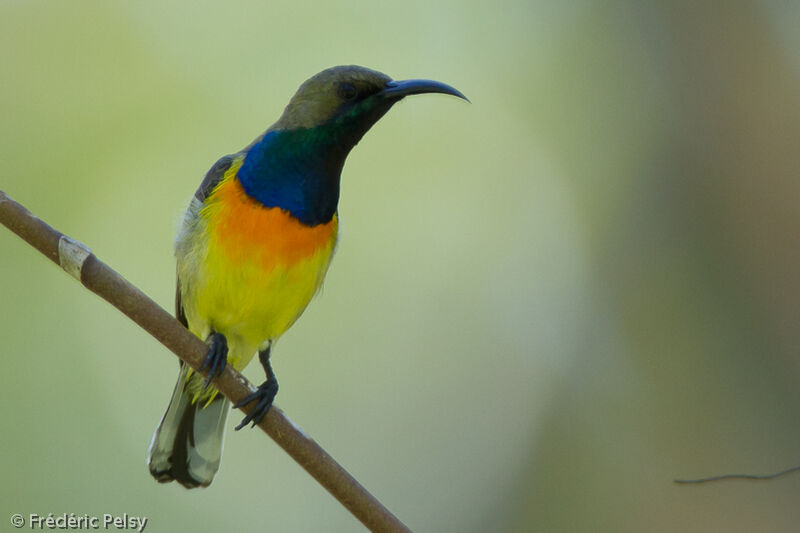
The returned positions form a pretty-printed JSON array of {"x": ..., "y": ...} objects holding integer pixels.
[{"x": 247, "y": 304}]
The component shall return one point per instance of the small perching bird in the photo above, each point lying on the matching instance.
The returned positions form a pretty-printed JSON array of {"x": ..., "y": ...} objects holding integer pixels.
[{"x": 253, "y": 249}]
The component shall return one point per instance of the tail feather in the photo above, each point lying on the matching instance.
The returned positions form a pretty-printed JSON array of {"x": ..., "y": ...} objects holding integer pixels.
[{"x": 187, "y": 445}]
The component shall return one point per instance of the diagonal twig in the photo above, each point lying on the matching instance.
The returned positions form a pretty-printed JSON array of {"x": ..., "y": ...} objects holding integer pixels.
[
  {"x": 754, "y": 477},
  {"x": 75, "y": 258}
]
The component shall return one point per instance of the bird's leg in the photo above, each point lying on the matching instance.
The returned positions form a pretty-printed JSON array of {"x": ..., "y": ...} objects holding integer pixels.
[
  {"x": 263, "y": 396},
  {"x": 216, "y": 358}
]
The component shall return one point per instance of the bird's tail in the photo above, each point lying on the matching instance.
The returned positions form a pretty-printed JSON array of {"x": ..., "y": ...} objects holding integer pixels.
[{"x": 187, "y": 444}]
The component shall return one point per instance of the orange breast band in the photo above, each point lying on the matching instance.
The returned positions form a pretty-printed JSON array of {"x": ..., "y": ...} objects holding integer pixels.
[{"x": 246, "y": 230}]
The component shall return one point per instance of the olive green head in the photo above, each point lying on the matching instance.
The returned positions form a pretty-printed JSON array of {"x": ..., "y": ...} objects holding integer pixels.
[
  {"x": 296, "y": 164},
  {"x": 350, "y": 93}
]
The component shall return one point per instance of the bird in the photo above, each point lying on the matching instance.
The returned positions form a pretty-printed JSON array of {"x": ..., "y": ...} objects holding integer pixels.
[{"x": 253, "y": 248}]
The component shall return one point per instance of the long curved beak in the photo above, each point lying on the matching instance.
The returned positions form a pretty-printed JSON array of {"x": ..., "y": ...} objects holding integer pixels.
[{"x": 401, "y": 89}]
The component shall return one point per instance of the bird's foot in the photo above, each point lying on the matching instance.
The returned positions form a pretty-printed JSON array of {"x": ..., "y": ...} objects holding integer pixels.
[
  {"x": 263, "y": 397},
  {"x": 216, "y": 358}
]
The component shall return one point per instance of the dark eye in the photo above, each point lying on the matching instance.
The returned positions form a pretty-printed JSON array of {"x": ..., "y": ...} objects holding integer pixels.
[{"x": 347, "y": 91}]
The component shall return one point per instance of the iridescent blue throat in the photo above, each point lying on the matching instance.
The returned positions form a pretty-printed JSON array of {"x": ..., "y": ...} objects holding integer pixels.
[{"x": 296, "y": 170}]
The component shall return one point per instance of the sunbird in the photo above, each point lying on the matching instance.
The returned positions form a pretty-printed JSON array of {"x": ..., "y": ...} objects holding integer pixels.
[{"x": 253, "y": 248}]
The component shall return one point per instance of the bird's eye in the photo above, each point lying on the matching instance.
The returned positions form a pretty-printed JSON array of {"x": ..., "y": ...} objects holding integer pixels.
[{"x": 347, "y": 91}]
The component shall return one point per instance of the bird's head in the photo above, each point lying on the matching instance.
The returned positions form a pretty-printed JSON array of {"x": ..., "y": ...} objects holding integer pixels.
[
  {"x": 350, "y": 99},
  {"x": 297, "y": 162}
]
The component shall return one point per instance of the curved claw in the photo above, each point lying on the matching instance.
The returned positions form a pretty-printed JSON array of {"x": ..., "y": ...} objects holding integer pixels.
[
  {"x": 263, "y": 397},
  {"x": 216, "y": 358}
]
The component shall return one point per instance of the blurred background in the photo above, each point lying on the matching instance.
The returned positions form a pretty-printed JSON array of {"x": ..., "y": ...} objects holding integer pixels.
[{"x": 545, "y": 306}]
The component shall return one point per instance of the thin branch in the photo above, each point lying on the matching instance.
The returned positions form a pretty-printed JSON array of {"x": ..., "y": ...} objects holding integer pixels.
[
  {"x": 756, "y": 477},
  {"x": 77, "y": 260}
]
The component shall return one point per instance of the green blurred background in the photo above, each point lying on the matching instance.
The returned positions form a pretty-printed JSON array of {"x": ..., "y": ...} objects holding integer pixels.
[{"x": 545, "y": 305}]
